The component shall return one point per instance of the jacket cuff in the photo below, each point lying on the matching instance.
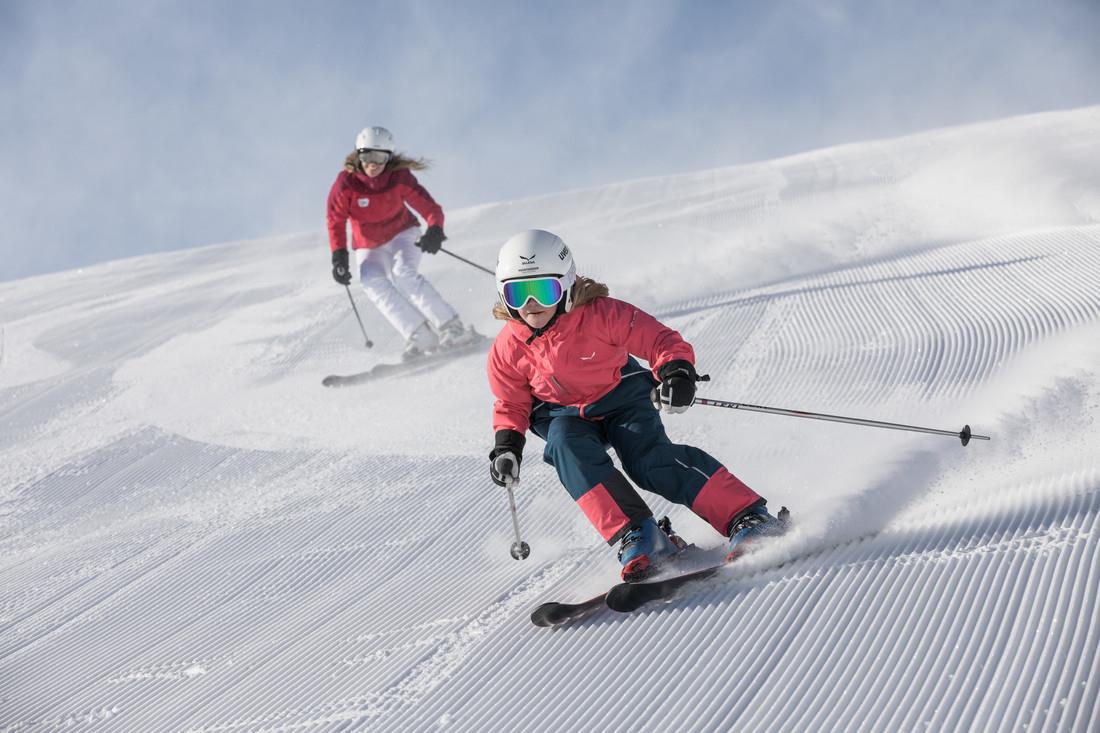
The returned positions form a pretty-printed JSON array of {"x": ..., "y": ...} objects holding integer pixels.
[
  {"x": 509, "y": 440},
  {"x": 675, "y": 364}
]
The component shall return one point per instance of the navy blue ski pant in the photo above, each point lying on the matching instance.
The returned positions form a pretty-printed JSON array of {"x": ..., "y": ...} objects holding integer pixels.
[{"x": 626, "y": 421}]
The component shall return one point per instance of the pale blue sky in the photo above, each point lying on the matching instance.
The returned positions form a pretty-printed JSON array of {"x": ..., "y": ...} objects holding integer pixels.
[{"x": 139, "y": 126}]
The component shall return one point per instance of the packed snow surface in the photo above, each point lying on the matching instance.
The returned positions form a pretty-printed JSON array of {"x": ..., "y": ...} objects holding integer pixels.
[{"x": 195, "y": 535}]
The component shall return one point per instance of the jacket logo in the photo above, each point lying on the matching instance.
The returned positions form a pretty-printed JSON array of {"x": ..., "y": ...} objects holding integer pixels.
[
  {"x": 589, "y": 357},
  {"x": 363, "y": 203}
]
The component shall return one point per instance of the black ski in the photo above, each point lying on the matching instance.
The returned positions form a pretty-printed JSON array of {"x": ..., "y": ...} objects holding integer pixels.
[
  {"x": 554, "y": 613},
  {"x": 557, "y": 613},
  {"x": 622, "y": 597},
  {"x": 627, "y": 597},
  {"x": 414, "y": 366}
]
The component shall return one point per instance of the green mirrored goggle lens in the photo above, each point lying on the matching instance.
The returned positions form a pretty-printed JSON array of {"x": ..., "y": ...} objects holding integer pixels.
[{"x": 546, "y": 291}]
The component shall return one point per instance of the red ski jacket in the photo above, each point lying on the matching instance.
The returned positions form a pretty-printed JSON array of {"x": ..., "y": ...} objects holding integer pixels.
[
  {"x": 577, "y": 361},
  {"x": 376, "y": 208}
]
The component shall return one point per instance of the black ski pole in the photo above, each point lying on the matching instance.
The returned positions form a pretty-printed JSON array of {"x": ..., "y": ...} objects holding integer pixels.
[
  {"x": 356, "y": 311},
  {"x": 964, "y": 435},
  {"x": 471, "y": 264}
]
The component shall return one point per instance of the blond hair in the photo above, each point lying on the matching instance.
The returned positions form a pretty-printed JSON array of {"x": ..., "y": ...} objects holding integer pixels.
[{"x": 585, "y": 290}]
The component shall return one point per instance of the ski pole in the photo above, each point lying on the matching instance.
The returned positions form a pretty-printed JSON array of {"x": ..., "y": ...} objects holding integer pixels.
[
  {"x": 471, "y": 264},
  {"x": 520, "y": 549},
  {"x": 356, "y": 311},
  {"x": 964, "y": 435}
]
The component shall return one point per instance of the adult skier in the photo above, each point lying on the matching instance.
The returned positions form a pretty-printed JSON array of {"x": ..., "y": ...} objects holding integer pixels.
[
  {"x": 563, "y": 366},
  {"x": 374, "y": 192}
]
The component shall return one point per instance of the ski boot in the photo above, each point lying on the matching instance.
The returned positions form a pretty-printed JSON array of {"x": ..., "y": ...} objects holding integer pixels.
[
  {"x": 645, "y": 546},
  {"x": 752, "y": 524},
  {"x": 453, "y": 334},
  {"x": 422, "y": 341}
]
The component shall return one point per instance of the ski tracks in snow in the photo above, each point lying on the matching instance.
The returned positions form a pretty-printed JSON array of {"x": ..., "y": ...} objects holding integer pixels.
[
  {"x": 309, "y": 597},
  {"x": 157, "y": 583},
  {"x": 958, "y": 571}
]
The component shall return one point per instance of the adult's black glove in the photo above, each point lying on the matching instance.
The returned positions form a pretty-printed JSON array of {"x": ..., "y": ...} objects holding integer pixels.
[
  {"x": 505, "y": 458},
  {"x": 676, "y": 392},
  {"x": 431, "y": 240},
  {"x": 340, "y": 271}
]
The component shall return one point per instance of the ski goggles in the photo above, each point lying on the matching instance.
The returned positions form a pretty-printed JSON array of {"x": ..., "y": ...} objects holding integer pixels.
[
  {"x": 375, "y": 157},
  {"x": 546, "y": 291}
]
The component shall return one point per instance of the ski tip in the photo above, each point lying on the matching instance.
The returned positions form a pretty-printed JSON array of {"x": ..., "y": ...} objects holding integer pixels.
[
  {"x": 553, "y": 613},
  {"x": 541, "y": 615}
]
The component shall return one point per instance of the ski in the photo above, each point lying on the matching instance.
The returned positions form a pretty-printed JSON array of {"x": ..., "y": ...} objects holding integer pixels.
[
  {"x": 559, "y": 613},
  {"x": 628, "y": 597},
  {"x": 623, "y": 597},
  {"x": 414, "y": 366},
  {"x": 554, "y": 613}
]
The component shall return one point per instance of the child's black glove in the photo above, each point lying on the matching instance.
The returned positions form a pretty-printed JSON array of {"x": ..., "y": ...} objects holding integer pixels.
[
  {"x": 676, "y": 392},
  {"x": 505, "y": 458}
]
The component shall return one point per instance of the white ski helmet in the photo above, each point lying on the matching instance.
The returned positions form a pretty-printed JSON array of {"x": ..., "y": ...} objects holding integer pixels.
[
  {"x": 533, "y": 255},
  {"x": 374, "y": 138}
]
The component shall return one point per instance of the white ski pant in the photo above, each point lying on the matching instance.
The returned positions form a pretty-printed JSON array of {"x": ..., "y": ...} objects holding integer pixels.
[{"x": 390, "y": 278}]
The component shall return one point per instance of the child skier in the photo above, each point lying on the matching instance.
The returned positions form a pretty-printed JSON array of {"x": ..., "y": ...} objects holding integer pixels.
[
  {"x": 562, "y": 366},
  {"x": 372, "y": 192}
]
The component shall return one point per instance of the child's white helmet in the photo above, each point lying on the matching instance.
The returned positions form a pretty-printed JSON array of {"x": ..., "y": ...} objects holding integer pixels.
[{"x": 529, "y": 257}]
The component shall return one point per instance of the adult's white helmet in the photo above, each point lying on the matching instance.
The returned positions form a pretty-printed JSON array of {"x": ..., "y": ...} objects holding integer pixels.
[
  {"x": 374, "y": 138},
  {"x": 532, "y": 255}
]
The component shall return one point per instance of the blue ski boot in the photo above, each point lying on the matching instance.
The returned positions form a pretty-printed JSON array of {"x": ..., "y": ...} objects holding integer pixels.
[
  {"x": 751, "y": 525},
  {"x": 645, "y": 546}
]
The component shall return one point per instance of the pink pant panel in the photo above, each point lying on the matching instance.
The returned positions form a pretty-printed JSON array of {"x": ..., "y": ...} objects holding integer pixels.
[
  {"x": 602, "y": 511},
  {"x": 722, "y": 498}
]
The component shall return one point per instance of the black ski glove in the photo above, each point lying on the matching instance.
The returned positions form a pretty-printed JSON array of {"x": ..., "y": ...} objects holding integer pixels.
[
  {"x": 340, "y": 271},
  {"x": 431, "y": 240},
  {"x": 676, "y": 392},
  {"x": 505, "y": 458}
]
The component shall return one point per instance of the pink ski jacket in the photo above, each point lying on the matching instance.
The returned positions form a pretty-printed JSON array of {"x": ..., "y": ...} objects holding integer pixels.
[
  {"x": 376, "y": 208},
  {"x": 577, "y": 361}
]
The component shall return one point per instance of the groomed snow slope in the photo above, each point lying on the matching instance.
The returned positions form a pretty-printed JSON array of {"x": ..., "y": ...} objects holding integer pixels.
[{"x": 196, "y": 536}]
